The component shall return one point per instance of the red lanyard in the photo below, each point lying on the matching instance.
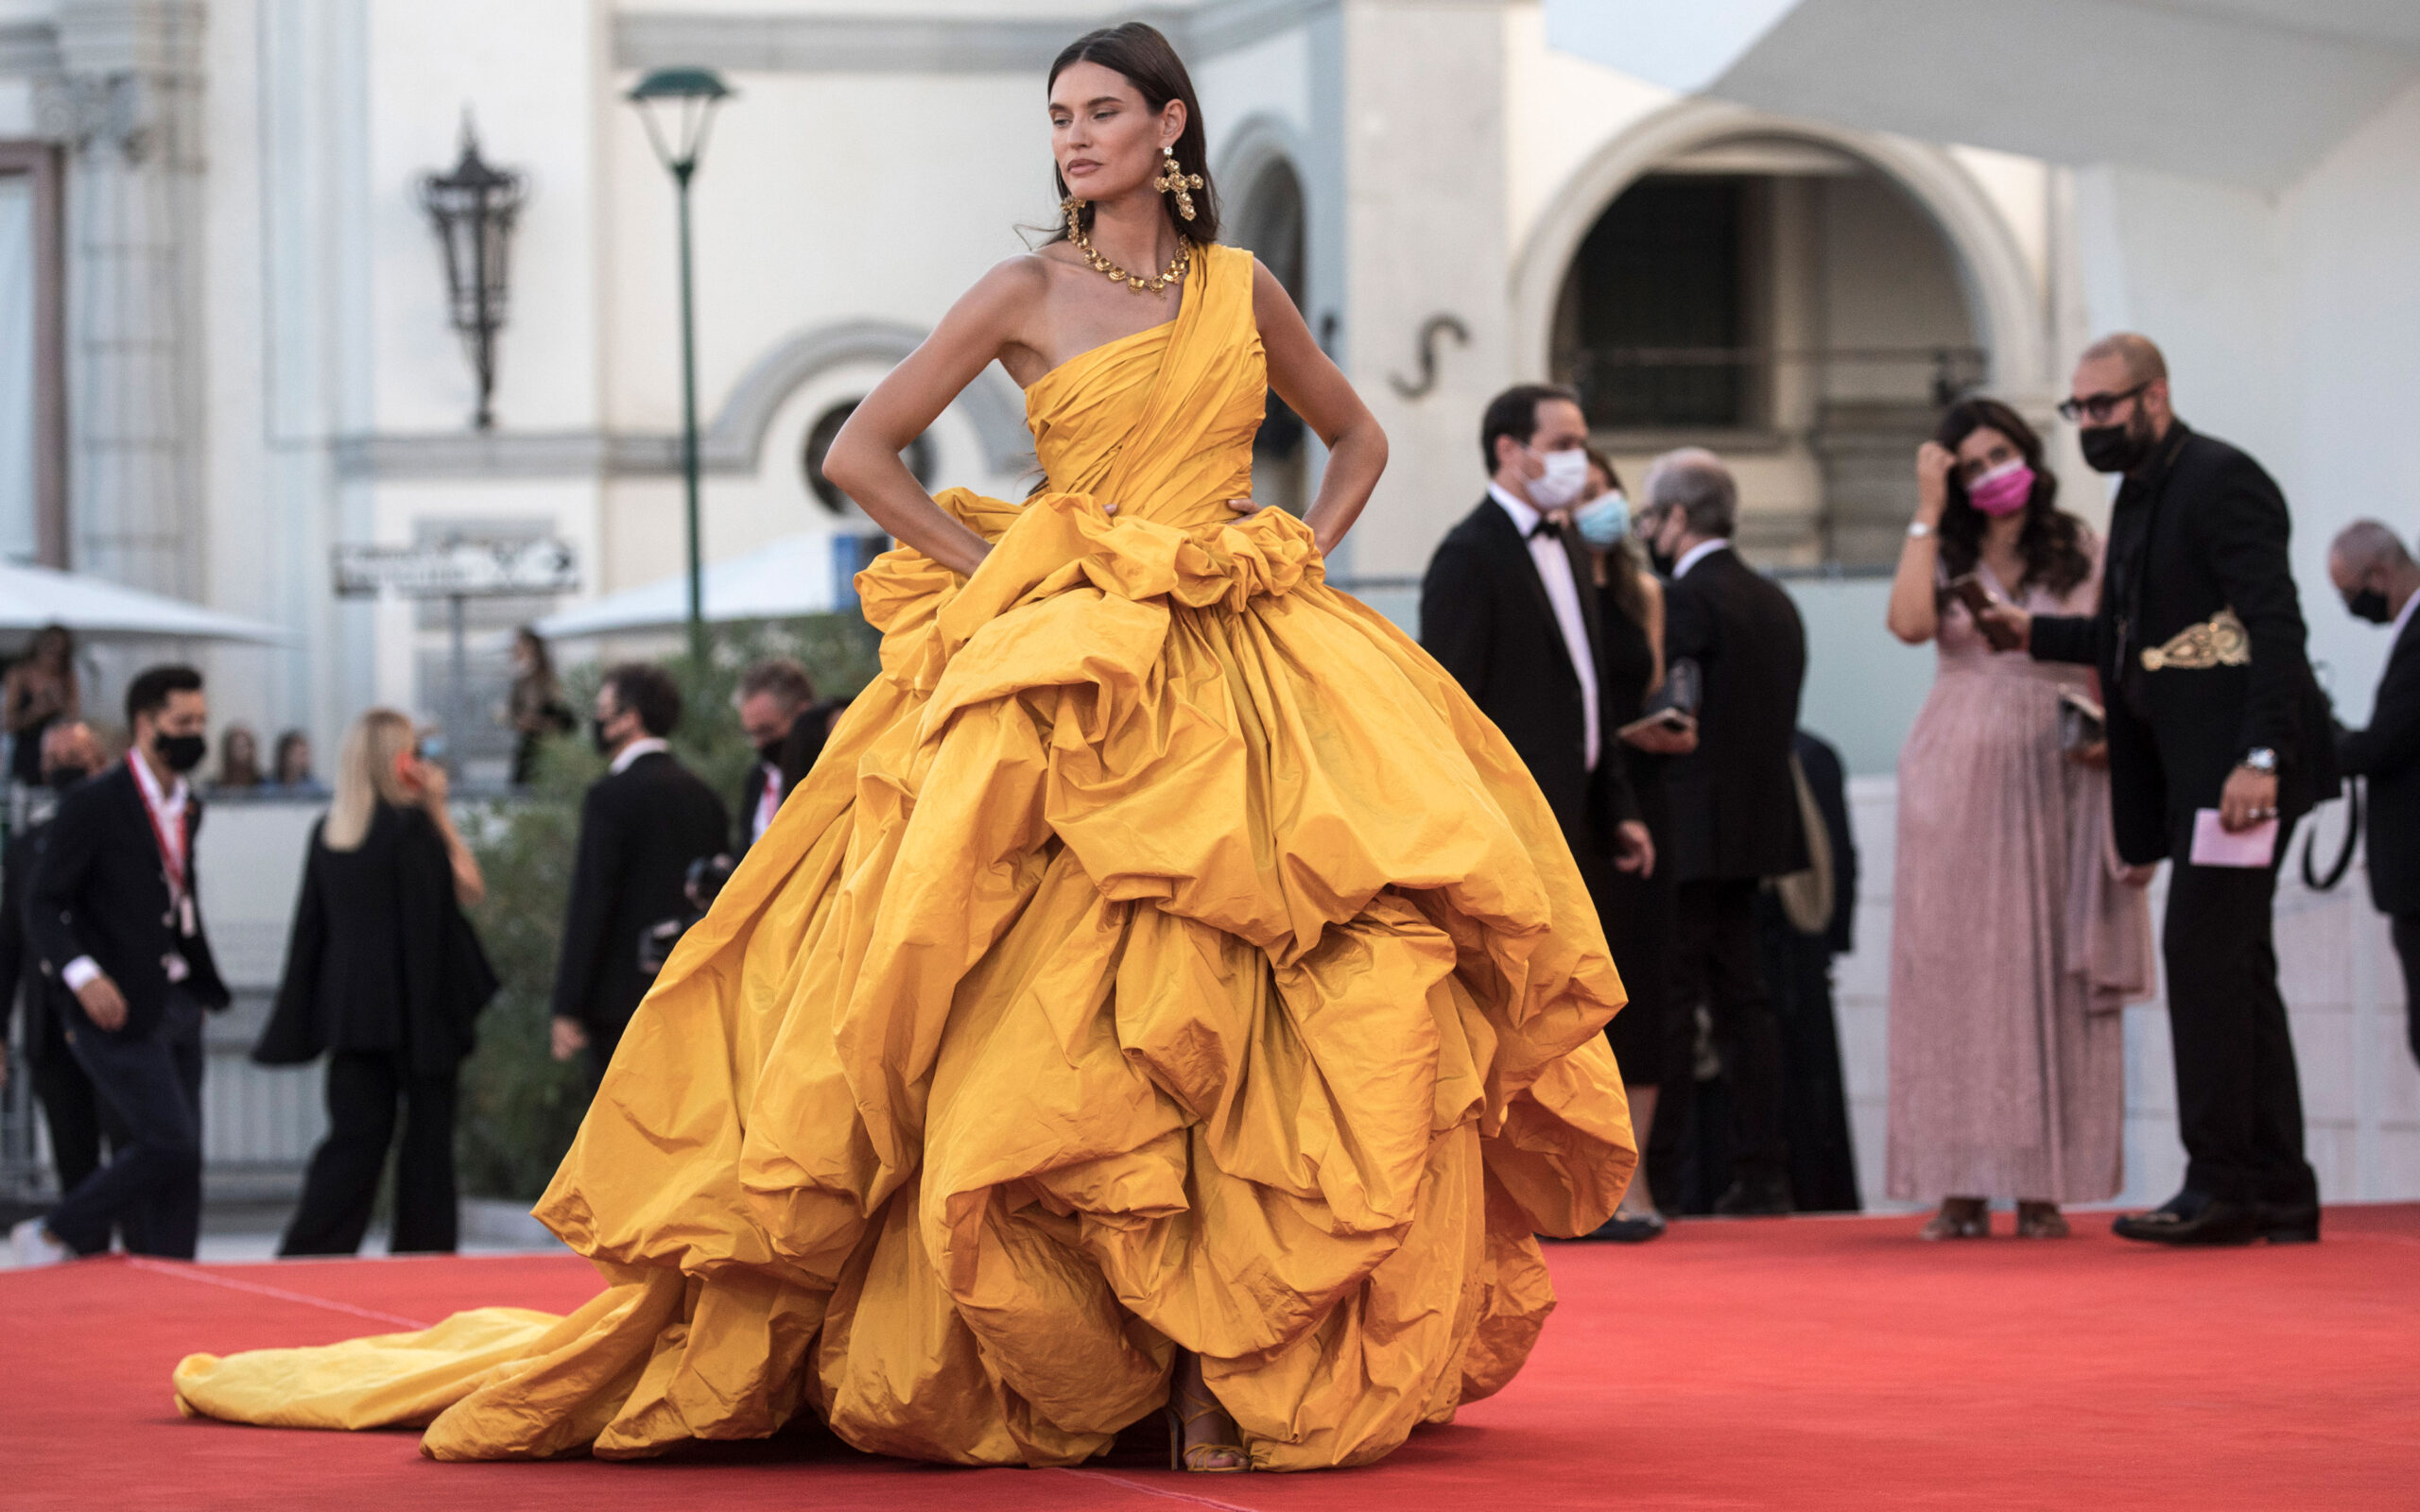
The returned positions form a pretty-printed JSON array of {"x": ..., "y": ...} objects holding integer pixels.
[{"x": 171, "y": 859}]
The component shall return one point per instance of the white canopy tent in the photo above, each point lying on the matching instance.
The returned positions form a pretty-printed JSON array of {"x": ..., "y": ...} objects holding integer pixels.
[
  {"x": 95, "y": 609},
  {"x": 797, "y": 575}
]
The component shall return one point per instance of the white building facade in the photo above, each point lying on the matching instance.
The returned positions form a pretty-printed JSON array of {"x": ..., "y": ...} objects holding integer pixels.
[
  {"x": 248, "y": 361},
  {"x": 1784, "y": 228}
]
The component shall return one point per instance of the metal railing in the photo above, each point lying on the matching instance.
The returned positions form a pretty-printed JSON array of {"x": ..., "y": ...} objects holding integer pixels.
[{"x": 1673, "y": 387}]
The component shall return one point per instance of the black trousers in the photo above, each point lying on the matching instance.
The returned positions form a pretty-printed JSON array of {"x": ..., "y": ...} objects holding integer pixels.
[
  {"x": 2407, "y": 948},
  {"x": 364, "y": 1088},
  {"x": 1715, "y": 961},
  {"x": 151, "y": 1189},
  {"x": 75, "y": 1115},
  {"x": 1639, "y": 919},
  {"x": 2238, "y": 1101}
]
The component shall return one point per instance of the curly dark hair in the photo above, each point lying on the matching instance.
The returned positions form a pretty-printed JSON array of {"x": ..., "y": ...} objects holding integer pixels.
[{"x": 2051, "y": 540}]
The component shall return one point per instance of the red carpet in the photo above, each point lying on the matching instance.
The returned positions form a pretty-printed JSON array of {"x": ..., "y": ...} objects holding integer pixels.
[{"x": 1799, "y": 1363}]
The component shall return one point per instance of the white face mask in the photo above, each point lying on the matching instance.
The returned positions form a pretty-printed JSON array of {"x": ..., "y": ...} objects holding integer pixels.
[{"x": 1565, "y": 480}]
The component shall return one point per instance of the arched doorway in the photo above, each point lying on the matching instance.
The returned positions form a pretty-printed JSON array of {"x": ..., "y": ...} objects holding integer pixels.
[
  {"x": 1802, "y": 300},
  {"x": 1269, "y": 220}
]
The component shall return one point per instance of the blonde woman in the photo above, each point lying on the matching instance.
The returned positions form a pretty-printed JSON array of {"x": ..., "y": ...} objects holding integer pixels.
[{"x": 384, "y": 975}]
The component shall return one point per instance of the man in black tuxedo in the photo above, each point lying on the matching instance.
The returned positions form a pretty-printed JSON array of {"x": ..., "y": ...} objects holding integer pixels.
[
  {"x": 2211, "y": 706},
  {"x": 114, "y": 914},
  {"x": 643, "y": 823},
  {"x": 70, "y": 1110},
  {"x": 783, "y": 720},
  {"x": 1509, "y": 608},
  {"x": 2381, "y": 583},
  {"x": 1735, "y": 813}
]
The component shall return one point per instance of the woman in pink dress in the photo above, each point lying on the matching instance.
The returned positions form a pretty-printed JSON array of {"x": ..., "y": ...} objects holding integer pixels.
[{"x": 2016, "y": 935}]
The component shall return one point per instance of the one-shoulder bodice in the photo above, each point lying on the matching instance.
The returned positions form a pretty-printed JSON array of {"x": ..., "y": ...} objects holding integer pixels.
[{"x": 1161, "y": 422}]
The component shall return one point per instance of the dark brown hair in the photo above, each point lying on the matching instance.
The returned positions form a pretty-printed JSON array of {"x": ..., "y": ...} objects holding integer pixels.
[
  {"x": 649, "y": 691},
  {"x": 1515, "y": 413},
  {"x": 2051, "y": 540},
  {"x": 1140, "y": 53},
  {"x": 149, "y": 692},
  {"x": 782, "y": 677},
  {"x": 1621, "y": 566},
  {"x": 1604, "y": 464}
]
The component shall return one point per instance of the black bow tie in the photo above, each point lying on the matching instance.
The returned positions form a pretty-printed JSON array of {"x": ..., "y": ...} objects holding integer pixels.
[{"x": 1547, "y": 525}]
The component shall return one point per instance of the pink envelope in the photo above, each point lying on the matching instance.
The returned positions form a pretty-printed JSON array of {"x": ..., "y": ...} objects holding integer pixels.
[{"x": 2214, "y": 845}]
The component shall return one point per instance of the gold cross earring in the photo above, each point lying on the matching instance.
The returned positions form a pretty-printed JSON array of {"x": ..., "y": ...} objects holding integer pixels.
[{"x": 1173, "y": 179}]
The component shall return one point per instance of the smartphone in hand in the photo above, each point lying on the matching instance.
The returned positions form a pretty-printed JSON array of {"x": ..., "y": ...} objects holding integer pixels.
[{"x": 1969, "y": 589}]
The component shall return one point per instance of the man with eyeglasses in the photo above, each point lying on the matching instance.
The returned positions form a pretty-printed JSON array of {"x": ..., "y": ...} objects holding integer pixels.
[{"x": 2212, "y": 709}]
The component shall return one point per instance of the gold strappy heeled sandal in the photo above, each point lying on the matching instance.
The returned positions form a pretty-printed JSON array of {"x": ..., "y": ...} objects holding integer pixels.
[{"x": 1185, "y": 1409}]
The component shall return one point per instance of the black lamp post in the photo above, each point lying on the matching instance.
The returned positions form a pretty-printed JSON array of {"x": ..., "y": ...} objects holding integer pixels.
[
  {"x": 678, "y": 107},
  {"x": 472, "y": 208}
]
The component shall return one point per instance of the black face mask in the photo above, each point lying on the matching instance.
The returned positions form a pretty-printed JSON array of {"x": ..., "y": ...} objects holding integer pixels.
[
  {"x": 597, "y": 737},
  {"x": 771, "y": 752},
  {"x": 63, "y": 777},
  {"x": 2368, "y": 603},
  {"x": 2114, "y": 447},
  {"x": 181, "y": 752}
]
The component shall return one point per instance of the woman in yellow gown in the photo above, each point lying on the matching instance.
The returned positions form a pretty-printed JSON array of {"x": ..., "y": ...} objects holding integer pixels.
[{"x": 1167, "y": 975}]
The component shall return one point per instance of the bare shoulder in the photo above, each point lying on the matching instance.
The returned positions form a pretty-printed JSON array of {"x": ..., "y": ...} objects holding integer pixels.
[
  {"x": 1013, "y": 281},
  {"x": 1267, "y": 293},
  {"x": 1273, "y": 310}
]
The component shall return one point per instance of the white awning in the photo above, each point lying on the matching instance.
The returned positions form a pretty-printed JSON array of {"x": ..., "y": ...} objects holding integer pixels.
[
  {"x": 93, "y": 608},
  {"x": 797, "y": 575}
]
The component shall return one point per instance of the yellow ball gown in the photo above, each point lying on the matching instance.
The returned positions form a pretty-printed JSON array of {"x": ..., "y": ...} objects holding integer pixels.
[{"x": 1165, "y": 953}]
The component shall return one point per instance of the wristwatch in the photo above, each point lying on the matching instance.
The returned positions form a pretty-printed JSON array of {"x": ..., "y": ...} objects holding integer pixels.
[
  {"x": 1917, "y": 530},
  {"x": 2259, "y": 759}
]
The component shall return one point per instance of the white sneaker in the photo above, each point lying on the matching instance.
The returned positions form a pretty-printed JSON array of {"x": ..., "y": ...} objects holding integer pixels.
[{"x": 32, "y": 1244}]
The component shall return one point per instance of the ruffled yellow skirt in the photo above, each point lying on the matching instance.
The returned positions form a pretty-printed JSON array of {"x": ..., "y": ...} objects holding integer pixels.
[{"x": 1164, "y": 953}]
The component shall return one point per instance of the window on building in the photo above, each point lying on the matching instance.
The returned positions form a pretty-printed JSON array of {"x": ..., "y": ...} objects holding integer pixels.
[
  {"x": 32, "y": 499},
  {"x": 1658, "y": 307},
  {"x": 1795, "y": 308},
  {"x": 826, "y": 429}
]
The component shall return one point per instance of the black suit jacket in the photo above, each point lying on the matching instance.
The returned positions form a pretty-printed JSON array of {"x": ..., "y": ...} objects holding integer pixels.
[
  {"x": 18, "y": 979},
  {"x": 1485, "y": 616},
  {"x": 381, "y": 957},
  {"x": 2201, "y": 530},
  {"x": 99, "y": 890},
  {"x": 801, "y": 748},
  {"x": 2387, "y": 753},
  {"x": 1735, "y": 808},
  {"x": 639, "y": 830}
]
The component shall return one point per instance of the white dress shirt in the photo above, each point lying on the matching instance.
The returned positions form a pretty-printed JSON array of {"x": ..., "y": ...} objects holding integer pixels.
[
  {"x": 645, "y": 744},
  {"x": 769, "y": 802},
  {"x": 1697, "y": 554},
  {"x": 1554, "y": 570}
]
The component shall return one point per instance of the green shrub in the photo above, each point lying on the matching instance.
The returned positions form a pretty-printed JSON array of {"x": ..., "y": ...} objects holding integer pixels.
[{"x": 520, "y": 1107}]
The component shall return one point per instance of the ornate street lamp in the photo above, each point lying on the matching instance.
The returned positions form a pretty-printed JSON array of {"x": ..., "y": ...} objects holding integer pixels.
[
  {"x": 472, "y": 208},
  {"x": 678, "y": 107}
]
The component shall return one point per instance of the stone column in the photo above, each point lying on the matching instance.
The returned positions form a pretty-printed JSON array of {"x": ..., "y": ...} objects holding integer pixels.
[{"x": 126, "y": 104}]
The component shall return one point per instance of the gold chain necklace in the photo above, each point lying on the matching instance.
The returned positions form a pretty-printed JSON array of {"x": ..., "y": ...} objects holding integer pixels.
[{"x": 1178, "y": 265}]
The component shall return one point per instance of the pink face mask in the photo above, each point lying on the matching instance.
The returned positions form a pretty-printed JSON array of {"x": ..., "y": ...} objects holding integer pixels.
[{"x": 2002, "y": 490}]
